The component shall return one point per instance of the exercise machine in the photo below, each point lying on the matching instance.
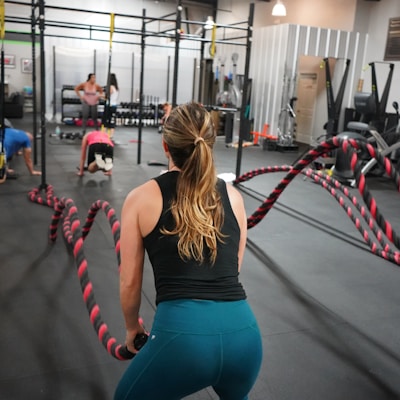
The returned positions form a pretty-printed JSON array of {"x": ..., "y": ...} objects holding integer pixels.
[
  {"x": 287, "y": 127},
  {"x": 377, "y": 118},
  {"x": 334, "y": 104},
  {"x": 373, "y": 122},
  {"x": 334, "y": 159},
  {"x": 387, "y": 142}
]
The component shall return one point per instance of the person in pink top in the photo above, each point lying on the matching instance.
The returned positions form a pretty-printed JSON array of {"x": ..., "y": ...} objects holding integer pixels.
[
  {"x": 92, "y": 92},
  {"x": 100, "y": 153}
]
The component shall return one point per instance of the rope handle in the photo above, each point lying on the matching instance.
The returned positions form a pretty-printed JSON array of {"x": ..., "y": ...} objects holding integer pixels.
[{"x": 139, "y": 342}]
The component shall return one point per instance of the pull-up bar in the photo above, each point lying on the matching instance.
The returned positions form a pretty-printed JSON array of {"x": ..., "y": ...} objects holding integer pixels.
[{"x": 144, "y": 34}]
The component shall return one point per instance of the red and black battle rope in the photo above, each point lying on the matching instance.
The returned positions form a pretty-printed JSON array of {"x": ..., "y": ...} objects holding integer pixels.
[
  {"x": 293, "y": 171},
  {"x": 363, "y": 188},
  {"x": 382, "y": 230},
  {"x": 377, "y": 242},
  {"x": 65, "y": 209},
  {"x": 385, "y": 236}
]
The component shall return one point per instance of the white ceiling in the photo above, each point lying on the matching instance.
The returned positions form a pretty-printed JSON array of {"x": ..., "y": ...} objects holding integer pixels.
[{"x": 97, "y": 13}]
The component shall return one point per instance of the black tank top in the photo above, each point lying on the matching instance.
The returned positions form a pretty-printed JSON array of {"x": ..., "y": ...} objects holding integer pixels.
[{"x": 178, "y": 279}]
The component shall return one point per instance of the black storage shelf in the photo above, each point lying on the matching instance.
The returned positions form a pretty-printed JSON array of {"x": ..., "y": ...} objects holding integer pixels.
[
  {"x": 71, "y": 106},
  {"x": 127, "y": 113}
]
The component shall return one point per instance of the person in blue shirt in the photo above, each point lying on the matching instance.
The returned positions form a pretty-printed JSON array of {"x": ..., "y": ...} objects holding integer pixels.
[{"x": 16, "y": 140}]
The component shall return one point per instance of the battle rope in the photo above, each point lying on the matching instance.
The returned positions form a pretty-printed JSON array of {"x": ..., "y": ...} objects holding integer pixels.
[
  {"x": 370, "y": 214},
  {"x": 293, "y": 171},
  {"x": 75, "y": 235},
  {"x": 381, "y": 246}
]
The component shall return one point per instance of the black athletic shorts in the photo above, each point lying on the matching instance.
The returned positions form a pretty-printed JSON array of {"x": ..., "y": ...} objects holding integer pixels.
[{"x": 102, "y": 148}]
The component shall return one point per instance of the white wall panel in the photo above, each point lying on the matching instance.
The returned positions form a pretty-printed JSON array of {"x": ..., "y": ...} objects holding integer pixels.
[{"x": 276, "y": 50}]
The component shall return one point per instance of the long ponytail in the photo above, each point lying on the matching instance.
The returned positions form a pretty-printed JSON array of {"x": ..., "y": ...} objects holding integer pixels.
[{"x": 197, "y": 210}]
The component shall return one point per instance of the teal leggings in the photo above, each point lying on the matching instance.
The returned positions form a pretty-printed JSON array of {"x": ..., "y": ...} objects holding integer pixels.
[{"x": 195, "y": 344}]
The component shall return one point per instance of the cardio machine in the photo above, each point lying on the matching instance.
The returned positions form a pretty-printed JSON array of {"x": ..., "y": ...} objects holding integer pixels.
[
  {"x": 373, "y": 124},
  {"x": 286, "y": 129},
  {"x": 334, "y": 104}
]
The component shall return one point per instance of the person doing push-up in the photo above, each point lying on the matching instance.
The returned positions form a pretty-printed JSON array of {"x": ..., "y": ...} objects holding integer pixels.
[{"x": 99, "y": 149}]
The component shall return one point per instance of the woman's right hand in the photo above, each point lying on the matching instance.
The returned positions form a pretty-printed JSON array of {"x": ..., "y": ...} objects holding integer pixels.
[{"x": 131, "y": 335}]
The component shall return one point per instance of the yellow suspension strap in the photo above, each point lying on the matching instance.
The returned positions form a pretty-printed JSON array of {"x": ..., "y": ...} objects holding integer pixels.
[
  {"x": 2, "y": 19},
  {"x": 213, "y": 37},
  {"x": 107, "y": 110},
  {"x": 3, "y": 158}
]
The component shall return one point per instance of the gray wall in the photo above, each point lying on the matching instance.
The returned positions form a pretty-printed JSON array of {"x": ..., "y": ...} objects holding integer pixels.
[{"x": 277, "y": 50}]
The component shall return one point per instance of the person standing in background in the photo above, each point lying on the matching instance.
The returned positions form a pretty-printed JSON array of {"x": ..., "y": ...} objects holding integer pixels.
[
  {"x": 166, "y": 111},
  {"x": 92, "y": 92},
  {"x": 114, "y": 95}
]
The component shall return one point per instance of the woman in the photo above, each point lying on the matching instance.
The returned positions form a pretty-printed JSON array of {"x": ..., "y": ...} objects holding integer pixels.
[
  {"x": 114, "y": 95},
  {"x": 193, "y": 227},
  {"x": 92, "y": 92},
  {"x": 100, "y": 153},
  {"x": 166, "y": 111}
]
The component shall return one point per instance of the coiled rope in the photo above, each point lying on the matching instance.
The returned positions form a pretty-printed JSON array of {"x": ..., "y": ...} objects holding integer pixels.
[{"x": 65, "y": 209}]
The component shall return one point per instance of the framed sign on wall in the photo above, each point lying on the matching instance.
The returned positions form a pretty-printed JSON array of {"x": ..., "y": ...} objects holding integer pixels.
[
  {"x": 26, "y": 65},
  {"x": 392, "y": 50},
  {"x": 9, "y": 61}
]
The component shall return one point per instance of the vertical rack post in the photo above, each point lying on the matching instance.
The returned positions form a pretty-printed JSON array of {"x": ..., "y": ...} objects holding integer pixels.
[
  {"x": 176, "y": 61},
  {"x": 245, "y": 89},
  {"x": 139, "y": 152}
]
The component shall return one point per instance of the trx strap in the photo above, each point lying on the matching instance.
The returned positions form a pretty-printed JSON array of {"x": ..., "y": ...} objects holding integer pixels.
[
  {"x": 213, "y": 37},
  {"x": 2, "y": 18},
  {"x": 3, "y": 158},
  {"x": 106, "y": 120}
]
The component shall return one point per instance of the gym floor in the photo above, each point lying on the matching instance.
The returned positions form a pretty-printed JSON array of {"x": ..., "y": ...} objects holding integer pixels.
[{"x": 328, "y": 309}]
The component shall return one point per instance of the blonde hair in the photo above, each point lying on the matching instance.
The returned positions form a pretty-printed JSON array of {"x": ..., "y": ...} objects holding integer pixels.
[{"x": 197, "y": 209}]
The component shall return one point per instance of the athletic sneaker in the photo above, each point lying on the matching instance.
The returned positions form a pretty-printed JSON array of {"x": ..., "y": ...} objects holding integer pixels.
[
  {"x": 108, "y": 164},
  {"x": 99, "y": 161}
]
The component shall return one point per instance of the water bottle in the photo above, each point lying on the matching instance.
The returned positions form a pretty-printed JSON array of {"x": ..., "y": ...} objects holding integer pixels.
[{"x": 58, "y": 131}]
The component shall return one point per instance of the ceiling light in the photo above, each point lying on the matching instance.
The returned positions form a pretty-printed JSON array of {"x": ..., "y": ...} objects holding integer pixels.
[
  {"x": 279, "y": 9},
  {"x": 209, "y": 23}
]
